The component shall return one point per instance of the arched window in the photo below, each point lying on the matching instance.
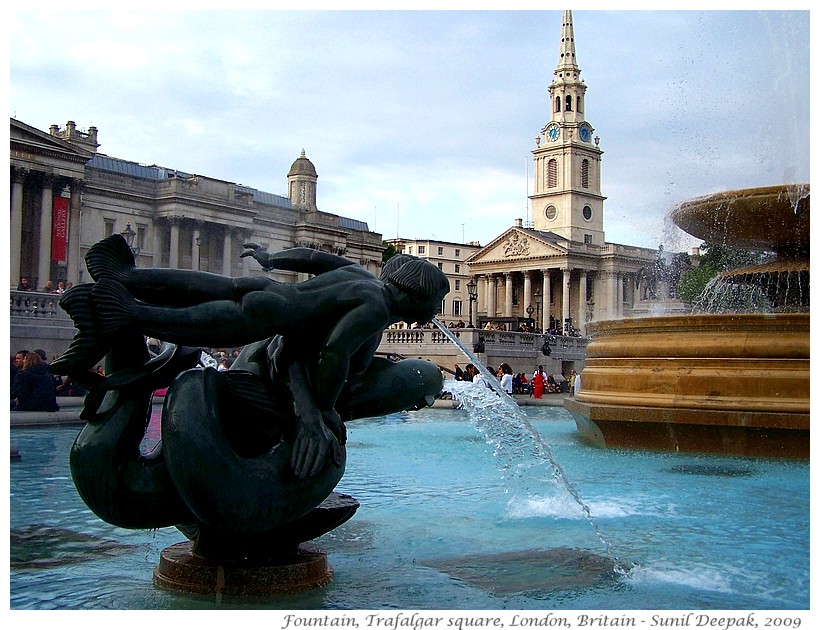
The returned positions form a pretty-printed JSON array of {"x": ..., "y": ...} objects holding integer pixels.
[
  {"x": 552, "y": 173},
  {"x": 585, "y": 173},
  {"x": 579, "y": 103},
  {"x": 569, "y": 103},
  {"x": 557, "y": 103}
]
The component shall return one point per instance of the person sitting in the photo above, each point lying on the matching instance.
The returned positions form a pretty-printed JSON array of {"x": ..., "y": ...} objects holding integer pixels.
[
  {"x": 70, "y": 388},
  {"x": 24, "y": 285},
  {"x": 517, "y": 384},
  {"x": 33, "y": 388}
]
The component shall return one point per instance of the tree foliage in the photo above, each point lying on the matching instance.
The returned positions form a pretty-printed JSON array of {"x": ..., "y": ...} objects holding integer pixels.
[
  {"x": 389, "y": 251},
  {"x": 714, "y": 260}
]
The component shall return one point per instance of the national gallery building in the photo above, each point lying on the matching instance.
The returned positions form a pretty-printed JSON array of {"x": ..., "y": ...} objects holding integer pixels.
[{"x": 65, "y": 196}]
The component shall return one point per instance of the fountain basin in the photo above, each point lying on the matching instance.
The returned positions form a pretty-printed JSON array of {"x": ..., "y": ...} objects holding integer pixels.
[{"x": 732, "y": 383}]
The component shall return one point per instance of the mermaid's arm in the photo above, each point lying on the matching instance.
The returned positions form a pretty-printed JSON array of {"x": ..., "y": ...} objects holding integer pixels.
[
  {"x": 313, "y": 437},
  {"x": 299, "y": 259},
  {"x": 351, "y": 332}
]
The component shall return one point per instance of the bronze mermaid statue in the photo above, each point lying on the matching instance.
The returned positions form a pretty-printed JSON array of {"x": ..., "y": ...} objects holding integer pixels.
[{"x": 249, "y": 456}]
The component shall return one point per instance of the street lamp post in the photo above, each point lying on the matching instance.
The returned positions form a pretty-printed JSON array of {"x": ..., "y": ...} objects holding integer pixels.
[
  {"x": 472, "y": 294},
  {"x": 537, "y": 296},
  {"x": 199, "y": 253},
  {"x": 128, "y": 234},
  {"x": 530, "y": 311}
]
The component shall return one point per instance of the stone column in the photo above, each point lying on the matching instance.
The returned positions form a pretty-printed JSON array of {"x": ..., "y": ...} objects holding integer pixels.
[
  {"x": 73, "y": 258},
  {"x": 247, "y": 237},
  {"x": 227, "y": 262},
  {"x": 567, "y": 276},
  {"x": 196, "y": 245},
  {"x": 16, "y": 235},
  {"x": 491, "y": 294},
  {"x": 528, "y": 290},
  {"x": 616, "y": 295},
  {"x": 508, "y": 294},
  {"x": 582, "y": 303},
  {"x": 173, "y": 254},
  {"x": 159, "y": 233},
  {"x": 546, "y": 295},
  {"x": 44, "y": 256}
]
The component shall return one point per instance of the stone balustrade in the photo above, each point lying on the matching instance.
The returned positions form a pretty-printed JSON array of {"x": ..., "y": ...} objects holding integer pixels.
[
  {"x": 37, "y": 321},
  {"x": 36, "y": 304},
  {"x": 520, "y": 350}
]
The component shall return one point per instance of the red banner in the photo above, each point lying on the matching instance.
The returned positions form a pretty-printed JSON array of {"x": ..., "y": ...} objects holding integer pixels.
[{"x": 59, "y": 229}]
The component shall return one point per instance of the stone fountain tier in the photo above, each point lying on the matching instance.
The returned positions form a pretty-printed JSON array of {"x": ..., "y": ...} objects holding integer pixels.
[
  {"x": 731, "y": 384},
  {"x": 714, "y": 383},
  {"x": 773, "y": 218}
]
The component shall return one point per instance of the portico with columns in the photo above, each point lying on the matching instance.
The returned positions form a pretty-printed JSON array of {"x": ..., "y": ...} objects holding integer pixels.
[{"x": 565, "y": 286}]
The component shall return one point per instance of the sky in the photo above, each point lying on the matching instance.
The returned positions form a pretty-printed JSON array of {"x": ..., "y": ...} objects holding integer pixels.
[{"x": 422, "y": 123}]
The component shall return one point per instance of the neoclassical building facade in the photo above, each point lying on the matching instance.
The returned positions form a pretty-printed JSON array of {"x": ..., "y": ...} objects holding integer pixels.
[
  {"x": 559, "y": 270},
  {"x": 65, "y": 196}
]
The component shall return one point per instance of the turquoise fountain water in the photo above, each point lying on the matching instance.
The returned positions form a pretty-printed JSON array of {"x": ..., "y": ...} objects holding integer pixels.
[{"x": 439, "y": 528}]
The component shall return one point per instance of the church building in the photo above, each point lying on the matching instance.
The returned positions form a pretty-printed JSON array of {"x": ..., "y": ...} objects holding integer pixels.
[{"x": 559, "y": 270}]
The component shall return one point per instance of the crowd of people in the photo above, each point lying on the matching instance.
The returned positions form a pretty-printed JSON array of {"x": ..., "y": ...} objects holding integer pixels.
[
  {"x": 540, "y": 383},
  {"x": 49, "y": 287}
]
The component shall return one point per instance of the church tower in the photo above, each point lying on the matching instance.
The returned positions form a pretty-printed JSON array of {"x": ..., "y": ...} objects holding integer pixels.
[{"x": 566, "y": 197}]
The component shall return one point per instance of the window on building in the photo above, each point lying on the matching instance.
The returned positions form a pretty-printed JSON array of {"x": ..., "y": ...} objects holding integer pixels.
[
  {"x": 410, "y": 249},
  {"x": 458, "y": 253},
  {"x": 108, "y": 228},
  {"x": 557, "y": 103},
  {"x": 587, "y": 212},
  {"x": 458, "y": 285},
  {"x": 441, "y": 266},
  {"x": 579, "y": 103},
  {"x": 569, "y": 103},
  {"x": 585, "y": 173},
  {"x": 457, "y": 308},
  {"x": 458, "y": 268},
  {"x": 441, "y": 251},
  {"x": 551, "y": 212},
  {"x": 588, "y": 239},
  {"x": 440, "y": 308},
  {"x": 140, "y": 239},
  {"x": 552, "y": 173},
  {"x": 422, "y": 249}
]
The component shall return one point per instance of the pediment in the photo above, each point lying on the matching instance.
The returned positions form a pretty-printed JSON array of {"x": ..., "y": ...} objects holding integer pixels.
[
  {"x": 518, "y": 244},
  {"x": 35, "y": 141}
]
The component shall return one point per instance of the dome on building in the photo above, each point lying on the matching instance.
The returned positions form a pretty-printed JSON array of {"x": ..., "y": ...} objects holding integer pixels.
[{"x": 302, "y": 166}]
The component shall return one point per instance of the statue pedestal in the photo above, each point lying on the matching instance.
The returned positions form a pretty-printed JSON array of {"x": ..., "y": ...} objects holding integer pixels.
[{"x": 180, "y": 570}]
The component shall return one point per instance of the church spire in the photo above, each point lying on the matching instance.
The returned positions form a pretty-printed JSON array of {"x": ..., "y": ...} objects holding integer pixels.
[
  {"x": 567, "y": 89},
  {"x": 566, "y": 57}
]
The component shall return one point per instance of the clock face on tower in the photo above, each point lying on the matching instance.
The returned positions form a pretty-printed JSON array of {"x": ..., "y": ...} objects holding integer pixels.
[
  {"x": 585, "y": 132},
  {"x": 552, "y": 132}
]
